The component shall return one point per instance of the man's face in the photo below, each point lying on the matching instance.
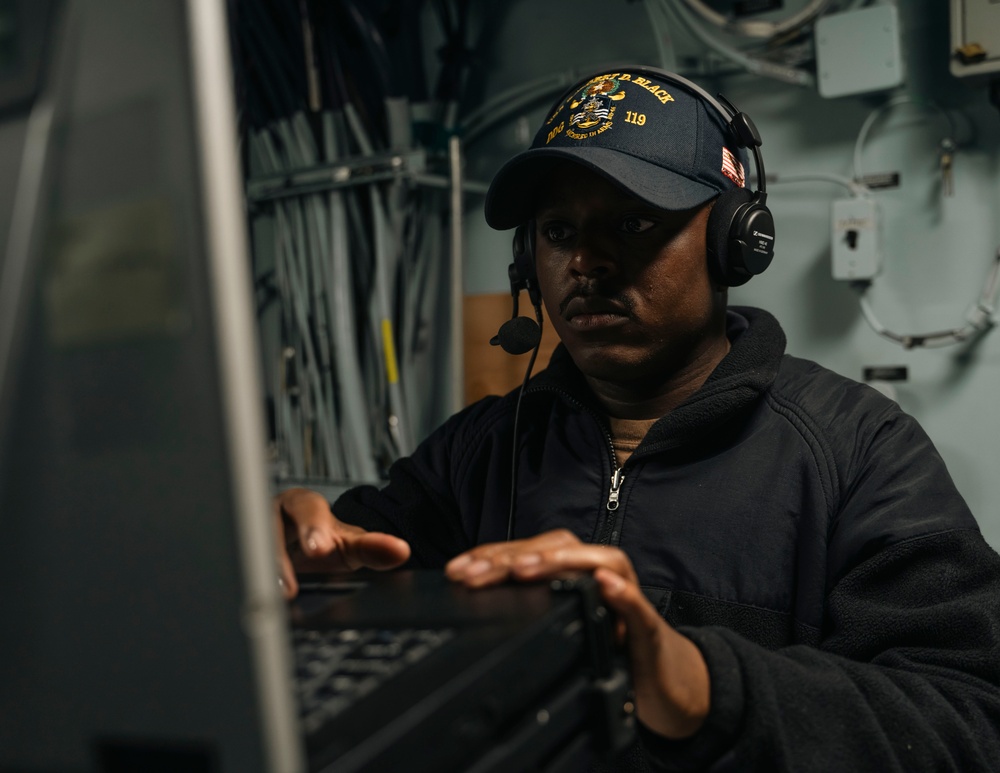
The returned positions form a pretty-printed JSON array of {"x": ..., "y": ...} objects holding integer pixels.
[{"x": 625, "y": 285}]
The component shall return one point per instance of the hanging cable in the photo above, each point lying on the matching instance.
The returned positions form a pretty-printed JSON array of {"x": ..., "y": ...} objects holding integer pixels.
[
  {"x": 980, "y": 318},
  {"x": 755, "y": 65},
  {"x": 853, "y": 186},
  {"x": 765, "y": 30},
  {"x": 327, "y": 89},
  {"x": 947, "y": 144}
]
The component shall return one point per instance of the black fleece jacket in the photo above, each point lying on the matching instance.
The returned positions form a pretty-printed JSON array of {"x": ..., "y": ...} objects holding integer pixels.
[{"x": 796, "y": 525}]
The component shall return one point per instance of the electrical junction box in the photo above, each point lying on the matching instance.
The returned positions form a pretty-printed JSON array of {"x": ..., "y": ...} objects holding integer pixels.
[
  {"x": 854, "y": 248},
  {"x": 975, "y": 37},
  {"x": 858, "y": 51}
]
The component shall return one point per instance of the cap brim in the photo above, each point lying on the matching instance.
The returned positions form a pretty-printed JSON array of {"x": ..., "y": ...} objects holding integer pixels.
[{"x": 510, "y": 200}]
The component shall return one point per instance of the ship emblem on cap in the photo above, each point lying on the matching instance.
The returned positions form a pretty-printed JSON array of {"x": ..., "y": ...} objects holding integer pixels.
[{"x": 593, "y": 106}]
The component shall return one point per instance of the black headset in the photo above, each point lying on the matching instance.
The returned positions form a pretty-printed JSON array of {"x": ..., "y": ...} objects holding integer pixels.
[
  {"x": 739, "y": 242},
  {"x": 740, "y": 231}
]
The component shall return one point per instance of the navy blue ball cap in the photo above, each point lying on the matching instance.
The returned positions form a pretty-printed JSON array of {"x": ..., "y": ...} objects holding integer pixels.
[{"x": 650, "y": 135}]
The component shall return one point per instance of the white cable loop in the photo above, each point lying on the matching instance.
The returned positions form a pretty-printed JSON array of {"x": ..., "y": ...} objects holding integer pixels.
[
  {"x": 887, "y": 106},
  {"x": 981, "y": 318}
]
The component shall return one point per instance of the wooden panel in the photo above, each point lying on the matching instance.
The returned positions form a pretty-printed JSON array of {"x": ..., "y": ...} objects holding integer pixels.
[{"x": 489, "y": 370}]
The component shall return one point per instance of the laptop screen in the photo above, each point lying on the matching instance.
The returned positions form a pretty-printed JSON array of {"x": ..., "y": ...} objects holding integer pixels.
[{"x": 141, "y": 609}]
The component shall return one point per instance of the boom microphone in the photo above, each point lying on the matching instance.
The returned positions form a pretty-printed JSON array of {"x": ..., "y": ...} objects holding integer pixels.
[{"x": 518, "y": 335}]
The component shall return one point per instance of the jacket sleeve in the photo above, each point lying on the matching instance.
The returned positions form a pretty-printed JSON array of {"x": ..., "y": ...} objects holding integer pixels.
[
  {"x": 905, "y": 675},
  {"x": 420, "y": 501},
  {"x": 906, "y": 679}
]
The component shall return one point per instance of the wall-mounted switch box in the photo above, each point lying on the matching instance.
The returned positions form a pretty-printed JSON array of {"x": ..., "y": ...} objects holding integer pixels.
[
  {"x": 858, "y": 51},
  {"x": 855, "y": 242},
  {"x": 975, "y": 37}
]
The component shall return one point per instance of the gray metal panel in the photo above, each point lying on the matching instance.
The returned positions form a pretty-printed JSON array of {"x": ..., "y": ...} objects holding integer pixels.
[{"x": 129, "y": 629}]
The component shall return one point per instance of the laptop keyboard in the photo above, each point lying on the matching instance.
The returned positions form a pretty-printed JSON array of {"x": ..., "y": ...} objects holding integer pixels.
[{"x": 334, "y": 668}]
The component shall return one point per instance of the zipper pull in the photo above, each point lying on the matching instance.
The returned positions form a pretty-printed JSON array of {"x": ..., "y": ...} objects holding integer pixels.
[{"x": 616, "y": 483}]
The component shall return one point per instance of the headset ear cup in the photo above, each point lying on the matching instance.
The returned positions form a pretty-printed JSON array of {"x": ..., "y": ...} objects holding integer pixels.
[
  {"x": 524, "y": 260},
  {"x": 740, "y": 237},
  {"x": 518, "y": 247},
  {"x": 524, "y": 250},
  {"x": 718, "y": 235}
]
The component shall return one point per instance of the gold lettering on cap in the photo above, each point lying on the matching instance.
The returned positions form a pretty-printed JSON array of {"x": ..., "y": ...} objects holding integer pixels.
[{"x": 658, "y": 91}]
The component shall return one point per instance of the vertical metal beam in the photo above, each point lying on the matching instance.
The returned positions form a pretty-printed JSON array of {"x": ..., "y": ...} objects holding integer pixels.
[{"x": 457, "y": 274}]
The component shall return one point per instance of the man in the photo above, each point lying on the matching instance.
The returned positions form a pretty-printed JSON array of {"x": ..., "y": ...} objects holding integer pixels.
[{"x": 798, "y": 584}]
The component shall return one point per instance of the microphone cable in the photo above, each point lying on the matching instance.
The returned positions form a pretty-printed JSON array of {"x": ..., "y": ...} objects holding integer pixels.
[{"x": 517, "y": 418}]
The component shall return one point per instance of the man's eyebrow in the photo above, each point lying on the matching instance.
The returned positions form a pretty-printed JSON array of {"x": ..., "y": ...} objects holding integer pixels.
[
  {"x": 622, "y": 204},
  {"x": 541, "y": 210}
]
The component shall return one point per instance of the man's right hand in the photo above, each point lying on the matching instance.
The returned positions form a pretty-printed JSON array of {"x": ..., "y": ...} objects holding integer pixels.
[{"x": 311, "y": 539}]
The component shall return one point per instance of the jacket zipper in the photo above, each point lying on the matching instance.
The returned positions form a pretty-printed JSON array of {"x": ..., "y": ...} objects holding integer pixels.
[
  {"x": 616, "y": 483},
  {"x": 617, "y": 475},
  {"x": 617, "y": 478},
  {"x": 611, "y": 526}
]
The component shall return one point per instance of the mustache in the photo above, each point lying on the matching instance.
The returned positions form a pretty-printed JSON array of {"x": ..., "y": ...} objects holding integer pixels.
[{"x": 593, "y": 290}]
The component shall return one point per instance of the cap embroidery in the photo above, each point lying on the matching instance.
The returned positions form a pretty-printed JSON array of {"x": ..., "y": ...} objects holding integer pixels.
[
  {"x": 596, "y": 110},
  {"x": 732, "y": 168}
]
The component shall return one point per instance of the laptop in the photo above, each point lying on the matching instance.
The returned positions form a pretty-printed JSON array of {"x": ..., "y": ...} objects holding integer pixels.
[
  {"x": 142, "y": 624},
  {"x": 507, "y": 678}
]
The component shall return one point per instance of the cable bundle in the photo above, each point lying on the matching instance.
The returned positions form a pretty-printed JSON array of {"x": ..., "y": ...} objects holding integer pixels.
[{"x": 348, "y": 220}]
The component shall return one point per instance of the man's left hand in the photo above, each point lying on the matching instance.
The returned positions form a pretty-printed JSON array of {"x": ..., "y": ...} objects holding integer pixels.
[{"x": 669, "y": 674}]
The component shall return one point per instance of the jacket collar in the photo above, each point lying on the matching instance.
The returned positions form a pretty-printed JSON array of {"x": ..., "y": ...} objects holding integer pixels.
[{"x": 733, "y": 388}]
